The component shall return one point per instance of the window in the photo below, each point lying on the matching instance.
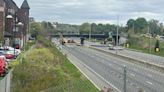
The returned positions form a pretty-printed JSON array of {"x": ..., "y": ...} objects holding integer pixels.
[
  {"x": 11, "y": 11},
  {"x": 1, "y": 3}
]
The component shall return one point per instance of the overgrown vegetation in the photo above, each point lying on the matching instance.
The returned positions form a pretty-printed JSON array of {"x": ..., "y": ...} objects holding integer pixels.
[
  {"x": 146, "y": 45},
  {"x": 46, "y": 69},
  {"x": 28, "y": 45}
]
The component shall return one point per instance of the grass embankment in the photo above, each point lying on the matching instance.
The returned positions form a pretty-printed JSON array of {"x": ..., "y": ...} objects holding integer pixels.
[
  {"x": 143, "y": 44},
  {"x": 46, "y": 70}
]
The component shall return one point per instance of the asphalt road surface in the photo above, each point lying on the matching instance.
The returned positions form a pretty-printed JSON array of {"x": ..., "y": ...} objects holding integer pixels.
[
  {"x": 136, "y": 55},
  {"x": 133, "y": 54},
  {"x": 111, "y": 69}
]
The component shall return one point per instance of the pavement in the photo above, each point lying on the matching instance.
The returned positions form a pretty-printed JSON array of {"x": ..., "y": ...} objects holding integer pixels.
[
  {"x": 137, "y": 55},
  {"x": 110, "y": 70},
  {"x": 154, "y": 59}
]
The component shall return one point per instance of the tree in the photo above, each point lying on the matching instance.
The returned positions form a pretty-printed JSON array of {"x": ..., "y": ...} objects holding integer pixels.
[
  {"x": 130, "y": 23},
  {"x": 35, "y": 29},
  {"x": 85, "y": 28},
  {"x": 140, "y": 24},
  {"x": 154, "y": 27},
  {"x": 94, "y": 28},
  {"x": 101, "y": 28}
]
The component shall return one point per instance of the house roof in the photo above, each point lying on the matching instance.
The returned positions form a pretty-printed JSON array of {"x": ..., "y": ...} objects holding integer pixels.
[
  {"x": 25, "y": 5},
  {"x": 11, "y": 4}
]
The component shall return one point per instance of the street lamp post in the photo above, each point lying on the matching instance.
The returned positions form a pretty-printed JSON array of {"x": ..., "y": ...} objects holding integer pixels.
[
  {"x": 90, "y": 32},
  {"x": 117, "y": 34},
  {"x": 149, "y": 39}
]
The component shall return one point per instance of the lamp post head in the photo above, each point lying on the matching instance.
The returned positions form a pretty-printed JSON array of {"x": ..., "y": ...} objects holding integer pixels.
[
  {"x": 20, "y": 24},
  {"x": 9, "y": 17}
]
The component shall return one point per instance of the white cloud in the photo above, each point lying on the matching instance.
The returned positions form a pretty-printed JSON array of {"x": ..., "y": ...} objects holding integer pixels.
[{"x": 79, "y": 11}]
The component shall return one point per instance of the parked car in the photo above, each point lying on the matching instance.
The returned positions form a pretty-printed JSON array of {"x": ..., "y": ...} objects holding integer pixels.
[
  {"x": 7, "y": 48},
  {"x": 9, "y": 54},
  {"x": 3, "y": 65},
  {"x": 17, "y": 46}
]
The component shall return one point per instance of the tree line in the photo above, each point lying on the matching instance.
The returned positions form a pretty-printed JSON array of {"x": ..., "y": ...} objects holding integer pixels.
[{"x": 133, "y": 26}]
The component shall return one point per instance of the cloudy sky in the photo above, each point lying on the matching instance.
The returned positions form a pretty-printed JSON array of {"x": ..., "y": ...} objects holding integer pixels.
[{"x": 99, "y": 11}]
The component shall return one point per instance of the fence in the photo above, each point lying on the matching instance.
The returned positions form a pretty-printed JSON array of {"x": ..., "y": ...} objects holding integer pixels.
[{"x": 5, "y": 83}]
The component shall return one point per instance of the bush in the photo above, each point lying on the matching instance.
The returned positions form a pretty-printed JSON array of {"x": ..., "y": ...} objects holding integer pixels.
[{"x": 45, "y": 68}]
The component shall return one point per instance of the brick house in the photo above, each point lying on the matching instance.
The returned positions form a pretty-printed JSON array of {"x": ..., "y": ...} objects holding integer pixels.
[
  {"x": 2, "y": 19},
  {"x": 24, "y": 18},
  {"x": 14, "y": 33},
  {"x": 10, "y": 22}
]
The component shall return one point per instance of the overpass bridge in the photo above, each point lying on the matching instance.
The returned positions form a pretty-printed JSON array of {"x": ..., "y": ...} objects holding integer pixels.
[{"x": 98, "y": 36}]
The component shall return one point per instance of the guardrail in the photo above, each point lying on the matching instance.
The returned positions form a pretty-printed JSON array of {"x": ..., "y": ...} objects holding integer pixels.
[{"x": 5, "y": 83}]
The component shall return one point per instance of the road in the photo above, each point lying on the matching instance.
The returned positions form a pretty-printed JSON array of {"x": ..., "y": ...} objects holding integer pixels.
[
  {"x": 129, "y": 53},
  {"x": 111, "y": 69},
  {"x": 137, "y": 55}
]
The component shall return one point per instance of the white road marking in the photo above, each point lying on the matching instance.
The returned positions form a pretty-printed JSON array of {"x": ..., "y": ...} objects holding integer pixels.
[
  {"x": 132, "y": 74},
  {"x": 149, "y": 82}
]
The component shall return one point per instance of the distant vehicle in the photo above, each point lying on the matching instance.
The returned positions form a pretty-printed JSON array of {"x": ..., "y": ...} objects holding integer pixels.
[
  {"x": 110, "y": 46},
  {"x": 71, "y": 41},
  {"x": 116, "y": 48},
  {"x": 31, "y": 38},
  {"x": 3, "y": 65}
]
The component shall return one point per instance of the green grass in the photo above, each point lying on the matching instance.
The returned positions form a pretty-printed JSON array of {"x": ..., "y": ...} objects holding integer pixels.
[
  {"x": 46, "y": 69},
  {"x": 142, "y": 44},
  {"x": 28, "y": 45}
]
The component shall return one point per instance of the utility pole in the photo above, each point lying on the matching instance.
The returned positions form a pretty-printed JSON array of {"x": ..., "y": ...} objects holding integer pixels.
[
  {"x": 117, "y": 33},
  {"x": 133, "y": 27},
  {"x": 125, "y": 78},
  {"x": 90, "y": 32},
  {"x": 149, "y": 39}
]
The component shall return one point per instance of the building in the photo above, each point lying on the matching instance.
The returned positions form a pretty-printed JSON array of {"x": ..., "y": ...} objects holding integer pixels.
[
  {"x": 16, "y": 23},
  {"x": 2, "y": 20},
  {"x": 10, "y": 22},
  {"x": 24, "y": 18}
]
